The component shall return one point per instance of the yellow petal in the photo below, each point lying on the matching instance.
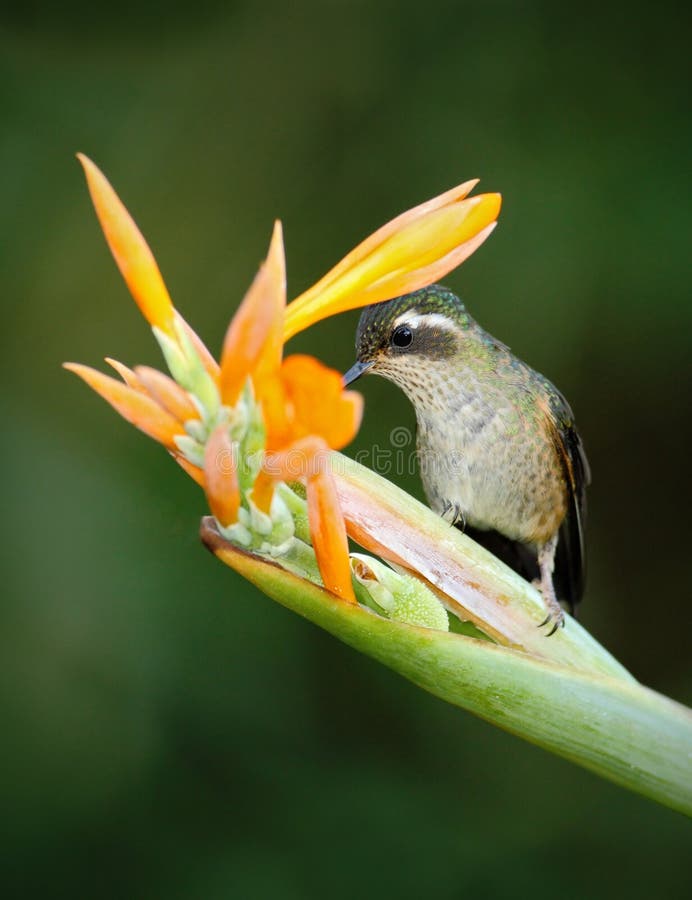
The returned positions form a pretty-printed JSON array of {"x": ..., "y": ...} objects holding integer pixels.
[
  {"x": 131, "y": 252},
  {"x": 366, "y": 247},
  {"x": 403, "y": 282},
  {"x": 138, "y": 408},
  {"x": 431, "y": 242}
]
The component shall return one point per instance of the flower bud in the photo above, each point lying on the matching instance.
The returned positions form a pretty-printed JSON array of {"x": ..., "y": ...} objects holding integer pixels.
[{"x": 401, "y": 596}]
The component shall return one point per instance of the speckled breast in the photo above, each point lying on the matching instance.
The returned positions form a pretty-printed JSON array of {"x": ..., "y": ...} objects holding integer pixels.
[{"x": 491, "y": 456}]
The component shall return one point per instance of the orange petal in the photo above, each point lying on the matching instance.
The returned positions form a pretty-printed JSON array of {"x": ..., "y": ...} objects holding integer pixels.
[
  {"x": 277, "y": 412},
  {"x": 254, "y": 339},
  {"x": 138, "y": 408},
  {"x": 127, "y": 375},
  {"x": 320, "y": 404},
  {"x": 410, "y": 252},
  {"x": 131, "y": 252},
  {"x": 307, "y": 460},
  {"x": 328, "y": 534},
  {"x": 297, "y": 461},
  {"x": 221, "y": 477},
  {"x": 192, "y": 470},
  {"x": 167, "y": 393},
  {"x": 263, "y": 491}
]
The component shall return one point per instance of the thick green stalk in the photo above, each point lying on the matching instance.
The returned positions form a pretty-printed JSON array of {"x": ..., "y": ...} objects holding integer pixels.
[
  {"x": 473, "y": 583},
  {"x": 610, "y": 725}
]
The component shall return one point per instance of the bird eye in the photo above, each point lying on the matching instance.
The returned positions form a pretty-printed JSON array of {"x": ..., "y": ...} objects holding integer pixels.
[{"x": 402, "y": 337}]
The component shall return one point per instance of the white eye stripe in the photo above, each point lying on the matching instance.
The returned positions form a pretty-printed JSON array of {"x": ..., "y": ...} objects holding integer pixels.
[
  {"x": 415, "y": 319},
  {"x": 406, "y": 318}
]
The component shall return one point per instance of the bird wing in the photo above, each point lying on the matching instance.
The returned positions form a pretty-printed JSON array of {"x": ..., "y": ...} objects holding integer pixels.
[{"x": 570, "y": 558}]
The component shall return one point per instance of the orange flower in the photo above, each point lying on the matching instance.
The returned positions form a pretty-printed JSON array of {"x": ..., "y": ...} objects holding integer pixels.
[{"x": 303, "y": 407}]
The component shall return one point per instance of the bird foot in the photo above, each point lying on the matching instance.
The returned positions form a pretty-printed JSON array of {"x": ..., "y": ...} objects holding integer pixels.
[
  {"x": 452, "y": 513},
  {"x": 556, "y": 615}
]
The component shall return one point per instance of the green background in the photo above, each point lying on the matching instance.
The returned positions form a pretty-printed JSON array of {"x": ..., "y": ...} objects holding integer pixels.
[{"x": 167, "y": 731}]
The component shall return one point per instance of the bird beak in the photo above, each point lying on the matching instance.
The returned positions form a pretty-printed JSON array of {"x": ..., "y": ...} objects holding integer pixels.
[{"x": 356, "y": 370}]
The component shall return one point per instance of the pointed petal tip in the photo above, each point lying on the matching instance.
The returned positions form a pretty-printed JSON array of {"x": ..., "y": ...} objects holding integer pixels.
[
  {"x": 88, "y": 374},
  {"x": 84, "y": 161},
  {"x": 134, "y": 406},
  {"x": 96, "y": 180},
  {"x": 125, "y": 372},
  {"x": 276, "y": 257},
  {"x": 73, "y": 367},
  {"x": 466, "y": 187},
  {"x": 253, "y": 343}
]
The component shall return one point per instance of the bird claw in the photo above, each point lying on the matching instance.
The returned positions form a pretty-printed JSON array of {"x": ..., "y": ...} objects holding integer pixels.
[
  {"x": 453, "y": 514},
  {"x": 558, "y": 622},
  {"x": 555, "y": 614}
]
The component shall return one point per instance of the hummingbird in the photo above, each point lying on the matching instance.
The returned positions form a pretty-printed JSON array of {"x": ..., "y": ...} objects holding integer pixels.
[{"x": 498, "y": 451}]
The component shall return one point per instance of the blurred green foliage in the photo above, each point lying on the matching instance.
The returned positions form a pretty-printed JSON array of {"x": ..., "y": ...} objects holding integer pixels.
[{"x": 167, "y": 731}]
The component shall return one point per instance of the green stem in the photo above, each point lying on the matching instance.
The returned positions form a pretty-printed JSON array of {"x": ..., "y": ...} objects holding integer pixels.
[{"x": 612, "y": 726}]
